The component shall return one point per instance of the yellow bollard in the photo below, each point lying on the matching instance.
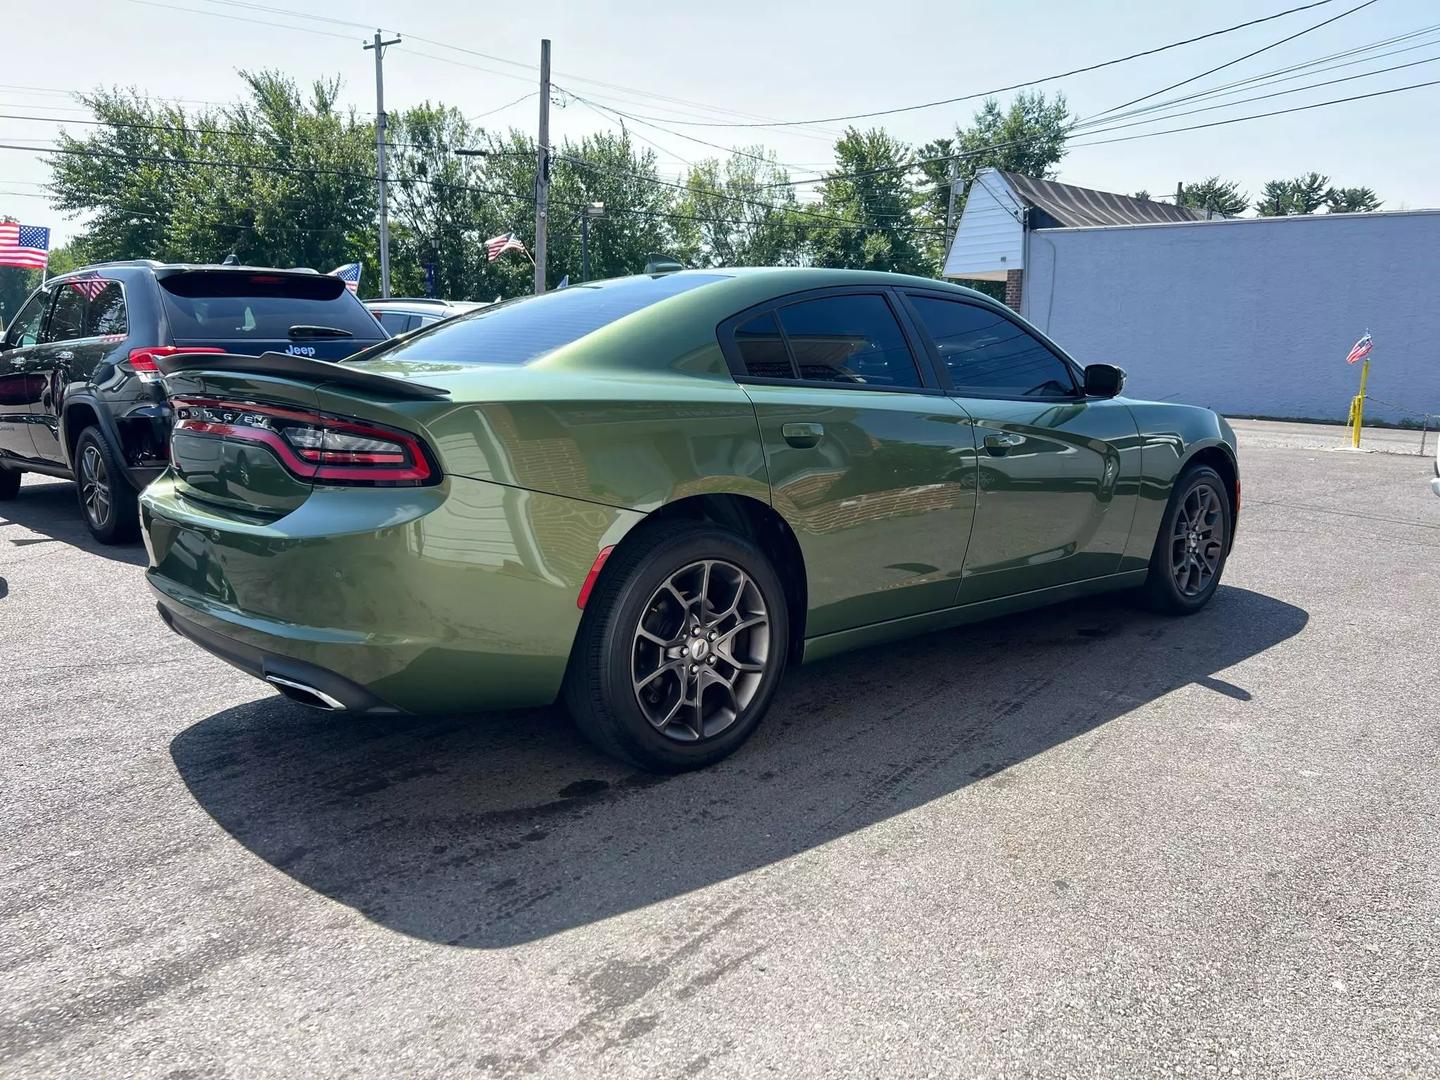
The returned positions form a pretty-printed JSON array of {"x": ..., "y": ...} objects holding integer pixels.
[{"x": 1357, "y": 406}]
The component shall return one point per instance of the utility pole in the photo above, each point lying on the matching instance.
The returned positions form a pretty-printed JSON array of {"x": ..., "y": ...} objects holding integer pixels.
[
  {"x": 1179, "y": 193},
  {"x": 542, "y": 169},
  {"x": 378, "y": 44},
  {"x": 590, "y": 210},
  {"x": 950, "y": 210}
]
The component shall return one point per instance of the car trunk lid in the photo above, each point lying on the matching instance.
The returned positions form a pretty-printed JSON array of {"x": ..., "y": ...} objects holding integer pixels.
[{"x": 250, "y": 434}]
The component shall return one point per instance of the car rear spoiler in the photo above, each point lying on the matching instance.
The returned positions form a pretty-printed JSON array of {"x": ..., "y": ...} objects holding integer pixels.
[{"x": 301, "y": 368}]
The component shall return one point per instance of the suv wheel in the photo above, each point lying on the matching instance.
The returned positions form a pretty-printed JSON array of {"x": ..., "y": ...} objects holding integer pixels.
[
  {"x": 109, "y": 503},
  {"x": 681, "y": 648},
  {"x": 9, "y": 483},
  {"x": 1192, "y": 544}
]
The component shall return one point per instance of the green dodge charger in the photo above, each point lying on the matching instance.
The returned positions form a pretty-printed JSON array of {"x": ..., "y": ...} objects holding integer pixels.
[{"x": 645, "y": 497}]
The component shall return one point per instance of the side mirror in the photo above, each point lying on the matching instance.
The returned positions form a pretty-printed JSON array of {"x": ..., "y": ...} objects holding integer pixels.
[{"x": 1104, "y": 380}]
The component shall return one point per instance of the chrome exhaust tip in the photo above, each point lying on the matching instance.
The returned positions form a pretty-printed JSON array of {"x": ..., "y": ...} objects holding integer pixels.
[{"x": 302, "y": 694}]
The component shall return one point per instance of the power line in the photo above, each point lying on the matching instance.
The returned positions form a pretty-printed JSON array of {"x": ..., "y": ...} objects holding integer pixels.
[
  {"x": 1027, "y": 82},
  {"x": 1239, "y": 59},
  {"x": 1258, "y": 116}
]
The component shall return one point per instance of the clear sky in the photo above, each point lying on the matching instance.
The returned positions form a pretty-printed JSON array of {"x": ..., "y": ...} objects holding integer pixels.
[{"x": 771, "y": 60}]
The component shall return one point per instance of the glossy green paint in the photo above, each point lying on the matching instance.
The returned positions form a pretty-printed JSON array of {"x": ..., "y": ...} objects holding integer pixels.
[{"x": 463, "y": 595}]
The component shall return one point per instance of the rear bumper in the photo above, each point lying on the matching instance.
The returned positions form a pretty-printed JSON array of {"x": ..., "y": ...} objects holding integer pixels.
[
  {"x": 284, "y": 672},
  {"x": 453, "y": 598}
]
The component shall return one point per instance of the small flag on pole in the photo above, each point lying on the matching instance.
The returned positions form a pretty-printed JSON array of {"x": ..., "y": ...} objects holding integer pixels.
[
  {"x": 1361, "y": 350},
  {"x": 89, "y": 285},
  {"x": 350, "y": 274},
  {"x": 24, "y": 245},
  {"x": 498, "y": 245}
]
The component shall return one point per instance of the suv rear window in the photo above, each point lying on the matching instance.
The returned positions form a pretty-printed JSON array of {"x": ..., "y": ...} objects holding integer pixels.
[
  {"x": 233, "y": 305},
  {"x": 522, "y": 330}
]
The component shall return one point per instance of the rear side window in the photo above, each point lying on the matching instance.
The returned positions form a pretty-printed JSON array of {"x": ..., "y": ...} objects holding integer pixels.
[
  {"x": 987, "y": 354},
  {"x": 106, "y": 314},
  {"x": 762, "y": 349},
  {"x": 395, "y": 322},
  {"x": 852, "y": 339},
  {"x": 227, "y": 305},
  {"x": 522, "y": 330}
]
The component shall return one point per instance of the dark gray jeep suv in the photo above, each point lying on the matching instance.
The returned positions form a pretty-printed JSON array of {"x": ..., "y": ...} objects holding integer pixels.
[{"x": 80, "y": 395}]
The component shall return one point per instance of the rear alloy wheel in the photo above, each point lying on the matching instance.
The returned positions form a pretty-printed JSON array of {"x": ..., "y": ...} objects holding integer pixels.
[
  {"x": 109, "y": 503},
  {"x": 1194, "y": 539},
  {"x": 9, "y": 483},
  {"x": 681, "y": 648}
]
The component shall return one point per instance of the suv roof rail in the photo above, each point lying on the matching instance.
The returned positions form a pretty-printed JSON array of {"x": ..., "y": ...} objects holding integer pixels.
[{"x": 121, "y": 262}]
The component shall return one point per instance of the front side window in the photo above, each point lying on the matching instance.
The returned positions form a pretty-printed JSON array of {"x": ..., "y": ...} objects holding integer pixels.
[
  {"x": 394, "y": 322},
  {"x": 67, "y": 317},
  {"x": 989, "y": 355},
  {"x": 853, "y": 339},
  {"x": 25, "y": 328}
]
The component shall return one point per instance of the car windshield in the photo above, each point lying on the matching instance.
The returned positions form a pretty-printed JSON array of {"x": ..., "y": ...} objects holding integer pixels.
[
  {"x": 229, "y": 305},
  {"x": 526, "y": 329}
]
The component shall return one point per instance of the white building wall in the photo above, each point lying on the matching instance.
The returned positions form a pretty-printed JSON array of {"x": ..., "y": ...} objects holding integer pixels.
[
  {"x": 989, "y": 239},
  {"x": 1252, "y": 316}
]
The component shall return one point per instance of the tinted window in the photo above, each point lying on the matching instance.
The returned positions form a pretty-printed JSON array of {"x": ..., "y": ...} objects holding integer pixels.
[
  {"x": 522, "y": 330},
  {"x": 25, "y": 327},
  {"x": 67, "y": 317},
  {"x": 396, "y": 322},
  {"x": 986, "y": 353},
  {"x": 852, "y": 339},
  {"x": 229, "y": 305},
  {"x": 762, "y": 349},
  {"x": 107, "y": 309}
]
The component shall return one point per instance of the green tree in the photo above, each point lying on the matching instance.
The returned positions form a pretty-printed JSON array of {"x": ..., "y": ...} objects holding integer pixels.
[
  {"x": 1026, "y": 137},
  {"x": 1222, "y": 197},
  {"x": 867, "y": 214},
  {"x": 1274, "y": 200},
  {"x": 1352, "y": 200},
  {"x": 737, "y": 213}
]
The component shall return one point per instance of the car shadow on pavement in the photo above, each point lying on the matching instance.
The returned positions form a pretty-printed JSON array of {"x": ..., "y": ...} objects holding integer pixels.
[
  {"x": 494, "y": 830},
  {"x": 51, "y": 510}
]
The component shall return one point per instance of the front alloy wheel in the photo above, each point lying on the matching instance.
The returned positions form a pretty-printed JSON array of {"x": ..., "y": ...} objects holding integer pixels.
[
  {"x": 110, "y": 504},
  {"x": 1197, "y": 540},
  {"x": 700, "y": 649}
]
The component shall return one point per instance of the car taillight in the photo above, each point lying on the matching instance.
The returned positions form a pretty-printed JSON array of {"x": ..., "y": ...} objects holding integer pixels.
[
  {"x": 142, "y": 361},
  {"x": 312, "y": 445}
]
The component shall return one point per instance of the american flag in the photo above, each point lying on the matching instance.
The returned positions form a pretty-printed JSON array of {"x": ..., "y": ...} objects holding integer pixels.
[
  {"x": 498, "y": 245},
  {"x": 88, "y": 285},
  {"x": 24, "y": 245},
  {"x": 1361, "y": 350},
  {"x": 350, "y": 274}
]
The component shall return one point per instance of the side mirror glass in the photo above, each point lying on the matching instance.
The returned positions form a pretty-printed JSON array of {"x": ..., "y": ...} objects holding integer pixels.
[{"x": 1104, "y": 380}]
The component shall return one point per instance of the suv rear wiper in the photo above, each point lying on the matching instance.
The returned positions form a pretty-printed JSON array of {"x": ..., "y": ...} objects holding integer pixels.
[{"x": 304, "y": 331}]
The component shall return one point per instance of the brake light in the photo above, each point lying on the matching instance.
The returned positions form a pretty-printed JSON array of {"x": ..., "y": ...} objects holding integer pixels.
[
  {"x": 142, "y": 361},
  {"x": 312, "y": 445}
]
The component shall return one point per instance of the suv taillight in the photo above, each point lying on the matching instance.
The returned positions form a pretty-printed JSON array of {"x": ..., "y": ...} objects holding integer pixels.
[
  {"x": 142, "y": 361},
  {"x": 312, "y": 445}
]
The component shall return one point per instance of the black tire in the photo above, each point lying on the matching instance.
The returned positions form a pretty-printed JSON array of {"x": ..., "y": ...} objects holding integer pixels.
[
  {"x": 109, "y": 505},
  {"x": 601, "y": 691},
  {"x": 9, "y": 483},
  {"x": 1202, "y": 494}
]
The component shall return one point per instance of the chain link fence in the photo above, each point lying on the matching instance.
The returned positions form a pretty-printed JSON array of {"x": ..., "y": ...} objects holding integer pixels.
[{"x": 1427, "y": 420}]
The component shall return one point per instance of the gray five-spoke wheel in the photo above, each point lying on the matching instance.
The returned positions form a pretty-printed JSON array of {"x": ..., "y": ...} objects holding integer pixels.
[
  {"x": 95, "y": 485},
  {"x": 700, "y": 650},
  {"x": 1197, "y": 541}
]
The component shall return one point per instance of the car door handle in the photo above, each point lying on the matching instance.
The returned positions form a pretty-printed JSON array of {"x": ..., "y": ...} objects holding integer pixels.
[
  {"x": 802, "y": 436},
  {"x": 64, "y": 354},
  {"x": 1006, "y": 440}
]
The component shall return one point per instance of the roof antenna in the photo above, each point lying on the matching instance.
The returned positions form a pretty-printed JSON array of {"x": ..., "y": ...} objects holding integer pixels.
[{"x": 230, "y": 260}]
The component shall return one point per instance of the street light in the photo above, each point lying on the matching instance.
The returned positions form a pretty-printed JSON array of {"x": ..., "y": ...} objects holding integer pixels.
[{"x": 591, "y": 210}]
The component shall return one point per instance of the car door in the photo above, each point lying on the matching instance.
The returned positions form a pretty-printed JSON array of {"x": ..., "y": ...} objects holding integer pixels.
[
  {"x": 1057, "y": 472},
  {"x": 86, "y": 320},
  {"x": 869, "y": 461},
  {"x": 20, "y": 387}
]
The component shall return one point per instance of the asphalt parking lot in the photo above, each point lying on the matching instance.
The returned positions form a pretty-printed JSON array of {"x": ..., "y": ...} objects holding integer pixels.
[{"x": 1086, "y": 841}]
